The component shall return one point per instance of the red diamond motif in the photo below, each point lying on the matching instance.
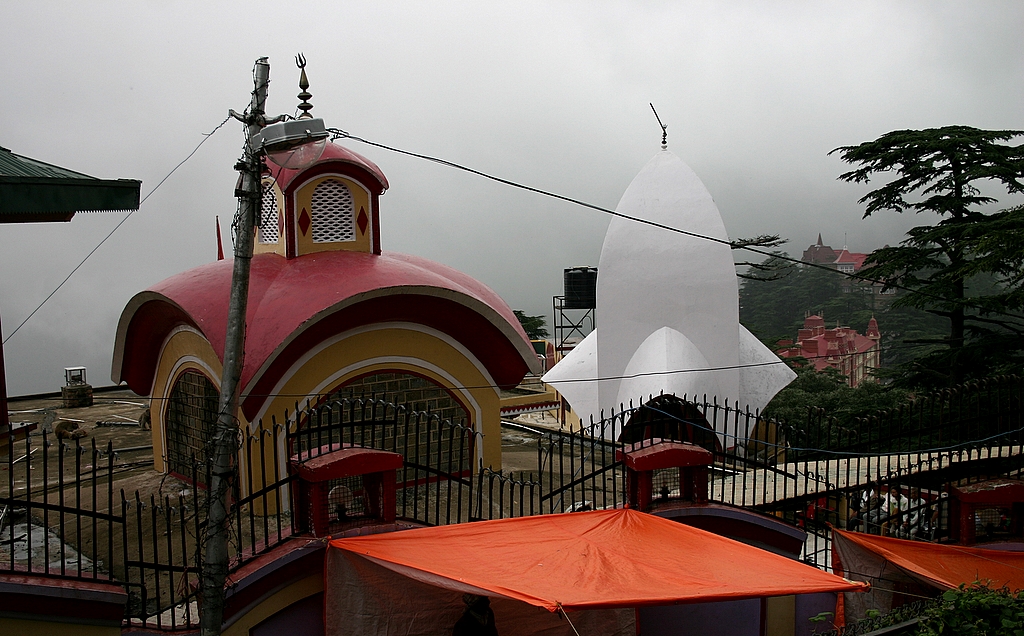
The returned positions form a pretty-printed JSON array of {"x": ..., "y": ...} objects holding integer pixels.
[
  {"x": 304, "y": 221},
  {"x": 362, "y": 220}
]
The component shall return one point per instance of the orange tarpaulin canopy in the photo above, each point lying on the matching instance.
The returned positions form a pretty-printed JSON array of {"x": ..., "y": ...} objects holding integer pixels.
[
  {"x": 590, "y": 560},
  {"x": 943, "y": 566}
]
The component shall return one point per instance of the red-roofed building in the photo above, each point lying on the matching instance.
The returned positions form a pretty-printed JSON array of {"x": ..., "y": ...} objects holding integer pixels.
[
  {"x": 819, "y": 253},
  {"x": 848, "y": 262},
  {"x": 841, "y": 348},
  {"x": 329, "y": 314},
  {"x": 843, "y": 260}
]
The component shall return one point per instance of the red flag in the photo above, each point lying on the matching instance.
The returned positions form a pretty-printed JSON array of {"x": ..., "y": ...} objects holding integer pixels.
[{"x": 220, "y": 246}]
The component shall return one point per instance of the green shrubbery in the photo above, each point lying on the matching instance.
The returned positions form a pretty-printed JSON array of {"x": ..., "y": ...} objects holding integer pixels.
[{"x": 975, "y": 610}]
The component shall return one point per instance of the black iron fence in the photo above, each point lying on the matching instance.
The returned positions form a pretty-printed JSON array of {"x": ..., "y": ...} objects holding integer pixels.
[
  {"x": 890, "y": 474},
  {"x": 62, "y": 514},
  {"x": 434, "y": 485},
  {"x": 886, "y": 474}
]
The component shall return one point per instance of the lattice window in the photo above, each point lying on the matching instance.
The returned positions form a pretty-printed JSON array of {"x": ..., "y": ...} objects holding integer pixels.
[
  {"x": 665, "y": 484},
  {"x": 269, "y": 224},
  {"x": 333, "y": 213},
  {"x": 347, "y": 503},
  {"x": 191, "y": 418}
]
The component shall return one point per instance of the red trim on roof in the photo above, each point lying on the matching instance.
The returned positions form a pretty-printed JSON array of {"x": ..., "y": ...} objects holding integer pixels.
[
  {"x": 355, "y": 165},
  {"x": 138, "y": 342},
  {"x": 470, "y": 328}
]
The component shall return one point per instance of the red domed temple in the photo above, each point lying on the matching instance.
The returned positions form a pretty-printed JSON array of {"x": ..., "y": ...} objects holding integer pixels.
[{"x": 329, "y": 313}]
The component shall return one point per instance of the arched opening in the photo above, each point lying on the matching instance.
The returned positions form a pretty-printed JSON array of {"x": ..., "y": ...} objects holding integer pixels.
[
  {"x": 670, "y": 418},
  {"x": 190, "y": 419},
  {"x": 401, "y": 388},
  {"x": 401, "y": 412}
]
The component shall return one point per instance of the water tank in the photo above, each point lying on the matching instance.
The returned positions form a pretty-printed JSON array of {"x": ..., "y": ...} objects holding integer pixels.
[{"x": 580, "y": 288}]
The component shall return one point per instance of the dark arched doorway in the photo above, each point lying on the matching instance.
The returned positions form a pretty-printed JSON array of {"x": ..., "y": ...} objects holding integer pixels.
[
  {"x": 670, "y": 418},
  {"x": 190, "y": 419}
]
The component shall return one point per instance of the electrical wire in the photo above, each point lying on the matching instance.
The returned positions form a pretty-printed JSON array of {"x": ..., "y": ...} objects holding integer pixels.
[
  {"x": 206, "y": 137},
  {"x": 601, "y": 378},
  {"x": 635, "y": 375},
  {"x": 338, "y": 134}
]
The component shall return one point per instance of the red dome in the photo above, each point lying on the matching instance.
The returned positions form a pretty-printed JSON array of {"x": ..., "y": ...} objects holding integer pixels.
[{"x": 294, "y": 304}]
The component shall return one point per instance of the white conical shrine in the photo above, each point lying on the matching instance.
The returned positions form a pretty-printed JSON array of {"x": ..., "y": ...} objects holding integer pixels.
[{"x": 667, "y": 307}]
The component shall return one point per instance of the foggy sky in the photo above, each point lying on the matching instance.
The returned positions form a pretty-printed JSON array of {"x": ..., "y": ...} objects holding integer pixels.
[{"x": 551, "y": 94}]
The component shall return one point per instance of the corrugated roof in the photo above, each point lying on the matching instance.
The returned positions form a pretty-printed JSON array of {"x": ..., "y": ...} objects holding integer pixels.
[
  {"x": 33, "y": 191},
  {"x": 12, "y": 165}
]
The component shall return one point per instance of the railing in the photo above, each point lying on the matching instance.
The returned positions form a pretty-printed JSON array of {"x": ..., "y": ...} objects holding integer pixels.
[
  {"x": 56, "y": 516},
  {"x": 61, "y": 517},
  {"x": 501, "y": 496},
  {"x": 435, "y": 483},
  {"x": 886, "y": 474}
]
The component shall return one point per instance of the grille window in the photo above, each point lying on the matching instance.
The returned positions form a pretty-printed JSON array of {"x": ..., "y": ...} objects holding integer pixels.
[
  {"x": 268, "y": 216},
  {"x": 333, "y": 213},
  {"x": 418, "y": 394},
  {"x": 191, "y": 418}
]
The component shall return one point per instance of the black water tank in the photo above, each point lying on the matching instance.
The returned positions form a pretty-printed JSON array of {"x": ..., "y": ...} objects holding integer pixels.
[{"x": 580, "y": 288}]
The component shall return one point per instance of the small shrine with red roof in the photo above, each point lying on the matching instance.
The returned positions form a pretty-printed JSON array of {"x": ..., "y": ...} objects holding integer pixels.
[
  {"x": 329, "y": 313},
  {"x": 841, "y": 348}
]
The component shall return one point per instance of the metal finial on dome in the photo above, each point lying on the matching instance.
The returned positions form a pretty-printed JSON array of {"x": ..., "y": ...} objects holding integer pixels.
[
  {"x": 304, "y": 106},
  {"x": 664, "y": 130}
]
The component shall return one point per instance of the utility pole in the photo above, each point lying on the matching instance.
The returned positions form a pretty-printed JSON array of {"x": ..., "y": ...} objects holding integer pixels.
[{"x": 222, "y": 448}]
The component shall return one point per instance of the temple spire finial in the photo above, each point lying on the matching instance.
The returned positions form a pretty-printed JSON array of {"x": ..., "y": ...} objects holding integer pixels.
[
  {"x": 304, "y": 106},
  {"x": 664, "y": 130}
]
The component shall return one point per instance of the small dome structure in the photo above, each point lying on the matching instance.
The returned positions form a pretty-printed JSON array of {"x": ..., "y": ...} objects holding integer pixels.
[{"x": 331, "y": 205}]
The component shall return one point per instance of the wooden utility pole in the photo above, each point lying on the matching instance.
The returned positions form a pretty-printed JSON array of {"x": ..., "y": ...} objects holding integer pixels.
[{"x": 221, "y": 450}]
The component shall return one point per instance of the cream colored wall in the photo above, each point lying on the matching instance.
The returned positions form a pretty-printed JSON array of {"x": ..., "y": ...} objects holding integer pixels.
[
  {"x": 360, "y": 199},
  {"x": 404, "y": 347},
  {"x": 278, "y": 601},
  {"x": 400, "y": 347},
  {"x": 184, "y": 349},
  {"x": 19, "y": 627}
]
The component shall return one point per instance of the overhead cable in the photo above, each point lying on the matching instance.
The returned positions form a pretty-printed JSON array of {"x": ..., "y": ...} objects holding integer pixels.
[{"x": 206, "y": 136}]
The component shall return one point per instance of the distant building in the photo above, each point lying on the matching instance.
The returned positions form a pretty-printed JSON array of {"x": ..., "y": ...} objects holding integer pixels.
[
  {"x": 847, "y": 262},
  {"x": 819, "y": 253},
  {"x": 844, "y": 260},
  {"x": 841, "y": 348}
]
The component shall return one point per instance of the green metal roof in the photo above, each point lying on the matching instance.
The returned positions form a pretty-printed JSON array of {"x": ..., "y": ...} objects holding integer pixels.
[{"x": 33, "y": 191}]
